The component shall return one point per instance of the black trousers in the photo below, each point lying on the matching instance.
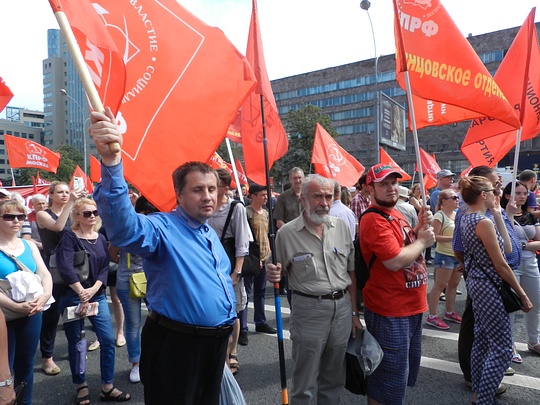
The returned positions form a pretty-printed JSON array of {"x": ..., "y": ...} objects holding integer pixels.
[
  {"x": 50, "y": 323},
  {"x": 466, "y": 339},
  {"x": 180, "y": 369}
]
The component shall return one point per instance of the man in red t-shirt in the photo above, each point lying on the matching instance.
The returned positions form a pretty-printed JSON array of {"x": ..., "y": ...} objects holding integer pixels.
[{"x": 395, "y": 293}]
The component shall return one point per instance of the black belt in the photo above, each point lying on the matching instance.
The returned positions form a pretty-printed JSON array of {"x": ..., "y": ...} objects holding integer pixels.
[
  {"x": 217, "y": 331},
  {"x": 334, "y": 295}
]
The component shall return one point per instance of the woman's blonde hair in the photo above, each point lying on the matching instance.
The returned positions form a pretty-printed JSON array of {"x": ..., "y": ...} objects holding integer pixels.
[
  {"x": 413, "y": 189},
  {"x": 8, "y": 206},
  {"x": 443, "y": 195},
  {"x": 54, "y": 184},
  {"x": 75, "y": 225},
  {"x": 472, "y": 186}
]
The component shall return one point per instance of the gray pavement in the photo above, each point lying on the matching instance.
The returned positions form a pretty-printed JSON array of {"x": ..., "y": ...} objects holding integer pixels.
[{"x": 440, "y": 380}]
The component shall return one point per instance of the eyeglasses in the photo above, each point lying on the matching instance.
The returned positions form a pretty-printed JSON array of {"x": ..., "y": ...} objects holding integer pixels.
[
  {"x": 88, "y": 214},
  {"x": 11, "y": 217},
  {"x": 488, "y": 190},
  {"x": 454, "y": 197}
]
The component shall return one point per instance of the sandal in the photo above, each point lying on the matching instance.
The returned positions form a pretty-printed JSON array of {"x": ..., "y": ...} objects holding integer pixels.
[
  {"x": 233, "y": 364},
  {"x": 107, "y": 396},
  {"x": 84, "y": 398},
  {"x": 534, "y": 348}
]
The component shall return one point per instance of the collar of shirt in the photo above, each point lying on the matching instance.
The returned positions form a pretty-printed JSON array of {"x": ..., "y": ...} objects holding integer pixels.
[
  {"x": 192, "y": 223},
  {"x": 301, "y": 224}
]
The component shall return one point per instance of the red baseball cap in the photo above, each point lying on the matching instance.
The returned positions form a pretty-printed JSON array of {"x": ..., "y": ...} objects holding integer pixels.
[{"x": 380, "y": 172}]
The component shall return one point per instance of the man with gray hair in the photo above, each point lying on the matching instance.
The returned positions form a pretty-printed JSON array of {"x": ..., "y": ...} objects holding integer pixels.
[
  {"x": 317, "y": 253},
  {"x": 39, "y": 202},
  {"x": 288, "y": 204},
  {"x": 341, "y": 211}
]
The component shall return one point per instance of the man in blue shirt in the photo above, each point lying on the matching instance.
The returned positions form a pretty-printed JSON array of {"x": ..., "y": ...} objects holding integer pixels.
[{"x": 189, "y": 291}]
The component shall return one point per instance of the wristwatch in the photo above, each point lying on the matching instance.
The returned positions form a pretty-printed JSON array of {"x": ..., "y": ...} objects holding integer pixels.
[
  {"x": 238, "y": 274},
  {"x": 523, "y": 245},
  {"x": 6, "y": 383},
  {"x": 356, "y": 313}
]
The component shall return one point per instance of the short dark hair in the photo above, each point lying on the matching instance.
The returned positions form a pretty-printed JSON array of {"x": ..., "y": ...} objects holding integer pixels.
[
  {"x": 224, "y": 176},
  {"x": 508, "y": 190},
  {"x": 481, "y": 171},
  {"x": 180, "y": 173},
  {"x": 527, "y": 175},
  {"x": 256, "y": 188},
  {"x": 361, "y": 181},
  {"x": 142, "y": 205}
]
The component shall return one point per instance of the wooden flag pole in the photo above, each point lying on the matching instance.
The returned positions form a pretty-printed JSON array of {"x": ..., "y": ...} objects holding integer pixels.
[{"x": 82, "y": 69}]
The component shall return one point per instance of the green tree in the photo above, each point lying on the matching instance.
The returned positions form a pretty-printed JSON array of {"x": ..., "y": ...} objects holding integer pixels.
[
  {"x": 300, "y": 125},
  {"x": 69, "y": 159}
]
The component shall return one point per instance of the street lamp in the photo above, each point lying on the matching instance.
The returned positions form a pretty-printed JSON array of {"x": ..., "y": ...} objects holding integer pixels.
[
  {"x": 365, "y": 5},
  {"x": 65, "y": 93}
]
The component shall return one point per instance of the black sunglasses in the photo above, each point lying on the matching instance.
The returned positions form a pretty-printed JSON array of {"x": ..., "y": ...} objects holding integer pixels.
[
  {"x": 454, "y": 197},
  {"x": 88, "y": 214},
  {"x": 11, "y": 217}
]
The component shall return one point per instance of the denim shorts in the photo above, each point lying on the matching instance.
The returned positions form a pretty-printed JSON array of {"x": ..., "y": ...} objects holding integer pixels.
[{"x": 445, "y": 261}]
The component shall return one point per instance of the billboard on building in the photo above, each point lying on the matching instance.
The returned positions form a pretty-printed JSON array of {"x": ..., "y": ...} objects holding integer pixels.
[{"x": 392, "y": 123}]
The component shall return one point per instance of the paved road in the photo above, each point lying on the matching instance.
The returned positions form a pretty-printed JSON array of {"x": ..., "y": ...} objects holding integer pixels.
[{"x": 440, "y": 381}]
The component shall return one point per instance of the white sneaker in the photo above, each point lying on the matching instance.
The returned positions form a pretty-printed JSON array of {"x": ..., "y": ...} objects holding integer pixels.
[{"x": 134, "y": 376}]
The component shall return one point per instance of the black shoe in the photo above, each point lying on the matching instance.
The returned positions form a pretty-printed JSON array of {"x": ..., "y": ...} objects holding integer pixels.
[
  {"x": 282, "y": 291},
  {"x": 243, "y": 339},
  {"x": 458, "y": 292},
  {"x": 265, "y": 328}
]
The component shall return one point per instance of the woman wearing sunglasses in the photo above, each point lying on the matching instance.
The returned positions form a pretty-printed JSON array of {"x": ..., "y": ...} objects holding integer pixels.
[
  {"x": 52, "y": 224},
  {"x": 23, "y": 332},
  {"x": 85, "y": 224},
  {"x": 447, "y": 269}
]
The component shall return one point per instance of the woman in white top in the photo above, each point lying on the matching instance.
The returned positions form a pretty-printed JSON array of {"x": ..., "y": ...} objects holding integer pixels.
[{"x": 447, "y": 268}]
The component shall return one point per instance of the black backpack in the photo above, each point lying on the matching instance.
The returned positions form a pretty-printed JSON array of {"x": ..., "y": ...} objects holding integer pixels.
[{"x": 361, "y": 268}]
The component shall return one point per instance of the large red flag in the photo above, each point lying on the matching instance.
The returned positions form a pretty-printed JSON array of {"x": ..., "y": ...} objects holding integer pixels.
[
  {"x": 387, "y": 160},
  {"x": 185, "y": 84},
  {"x": 5, "y": 95},
  {"x": 103, "y": 60},
  {"x": 217, "y": 162},
  {"x": 442, "y": 65},
  {"x": 25, "y": 153},
  {"x": 487, "y": 140},
  {"x": 95, "y": 169},
  {"x": 332, "y": 161},
  {"x": 80, "y": 181},
  {"x": 252, "y": 131}
]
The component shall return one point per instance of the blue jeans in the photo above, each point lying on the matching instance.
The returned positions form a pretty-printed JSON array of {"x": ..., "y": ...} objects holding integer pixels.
[
  {"x": 103, "y": 327},
  {"x": 23, "y": 339},
  {"x": 132, "y": 322},
  {"x": 256, "y": 287}
]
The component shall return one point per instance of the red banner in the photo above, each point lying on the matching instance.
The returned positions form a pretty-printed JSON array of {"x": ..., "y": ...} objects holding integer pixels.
[
  {"x": 80, "y": 181},
  {"x": 252, "y": 130},
  {"x": 387, "y": 160},
  {"x": 487, "y": 140},
  {"x": 5, "y": 95},
  {"x": 443, "y": 67},
  {"x": 185, "y": 84},
  {"x": 95, "y": 169},
  {"x": 103, "y": 60},
  {"x": 332, "y": 161},
  {"x": 23, "y": 153}
]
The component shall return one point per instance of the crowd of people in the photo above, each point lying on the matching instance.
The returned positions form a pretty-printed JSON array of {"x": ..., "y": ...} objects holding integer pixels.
[{"x": 197, "y": 295}]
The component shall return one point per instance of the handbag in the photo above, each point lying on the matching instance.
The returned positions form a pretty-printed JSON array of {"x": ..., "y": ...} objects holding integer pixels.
[
  {"x": 81, "y": 264},
  {"x": 252, "y": 261},
  {"x": 509, "y": 297},
  {"x": 137, "y": 285},
  {"x": 5, "y": 287}
]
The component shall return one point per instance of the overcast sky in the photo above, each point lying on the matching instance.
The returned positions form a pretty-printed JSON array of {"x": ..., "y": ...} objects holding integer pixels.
[{"x": 298, "y": 35}]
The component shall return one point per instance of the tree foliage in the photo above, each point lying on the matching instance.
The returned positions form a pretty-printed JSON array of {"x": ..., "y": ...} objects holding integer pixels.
[
  {"x": 300, "y": 126},
  {"x": 69, "y": 159}
]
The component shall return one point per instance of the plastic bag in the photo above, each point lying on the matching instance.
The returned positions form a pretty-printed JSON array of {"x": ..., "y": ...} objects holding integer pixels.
[
  {"x": 230, "y": 394},
  {"x": 367, "y": 350}
]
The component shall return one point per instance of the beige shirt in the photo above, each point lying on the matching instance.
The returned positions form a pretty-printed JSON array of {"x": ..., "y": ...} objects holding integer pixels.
[{"x": 315, "y": 266}]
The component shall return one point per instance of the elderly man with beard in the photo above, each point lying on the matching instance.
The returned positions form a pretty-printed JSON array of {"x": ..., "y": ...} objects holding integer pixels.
[
  {"x": 316, "y": 252},
  {"x": 395, "y": 293}
]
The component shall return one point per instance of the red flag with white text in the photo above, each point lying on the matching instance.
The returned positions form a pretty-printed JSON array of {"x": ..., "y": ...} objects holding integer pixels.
[
  {"x": 217, "y": 162},
  {"x": 102, "y": 57},
  {"x": 24, "y": 153},
  {"x": 488, "y": 141},
  {"x": 241, "y": 174},
  {"x": 5, "y": 95},
  {"x": 251, "y": 128},
  {"x": 387, "y": 160},
  {"x": 332, "y": 161},
  {"x": 185, "y": 84},
  {"x": 443, "y": 67}
]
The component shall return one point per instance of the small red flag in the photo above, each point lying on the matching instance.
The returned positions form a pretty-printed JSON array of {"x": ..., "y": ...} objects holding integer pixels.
[
  {"x": 429, "y": 164},
  {"x": 79, "y": 181},
  {"x": 28, "y": 154},
  {"x": 240, "y": 171},
  {"x": 95, "y": 170},
  {"x": 252, "y": 131},
  {"x": 103, "y": 60},
  {"x": 332, "y": 161},
  {"x": 5, "y": 95},
  {"x": 387, "y": 160}
]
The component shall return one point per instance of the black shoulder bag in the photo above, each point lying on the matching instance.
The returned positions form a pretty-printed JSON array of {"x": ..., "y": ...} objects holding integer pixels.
[
  {"x": 81, "y": 264},
  {"x": 510, "y": 299},
  {"x": 252, "y": 262}
]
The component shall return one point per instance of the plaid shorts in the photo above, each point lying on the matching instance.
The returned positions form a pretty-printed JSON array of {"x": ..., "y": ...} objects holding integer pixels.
[{"x": 401, "y": 342}]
